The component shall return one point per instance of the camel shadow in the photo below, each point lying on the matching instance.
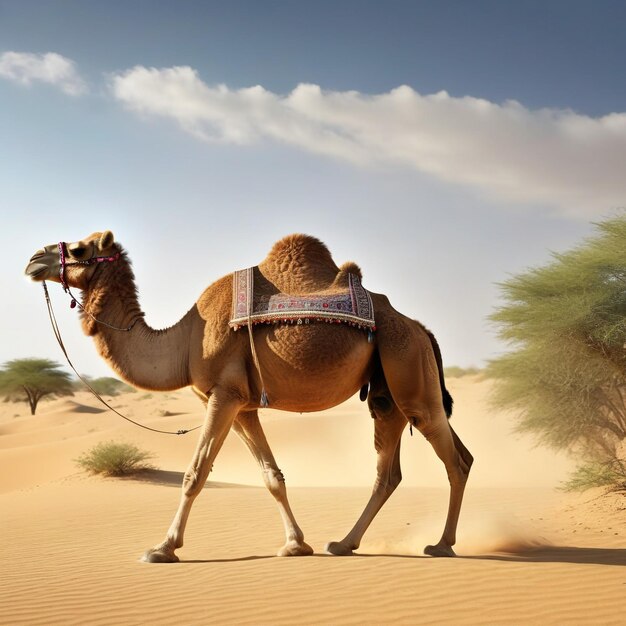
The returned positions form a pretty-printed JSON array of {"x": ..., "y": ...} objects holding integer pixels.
[
  {"x": 539, "y": 554},
  {"x": 535, "y": 554},
  {"x": 559, "y": 554},
  {"x": 238, "y": 559},
  {"x": 257, "y": 557}
]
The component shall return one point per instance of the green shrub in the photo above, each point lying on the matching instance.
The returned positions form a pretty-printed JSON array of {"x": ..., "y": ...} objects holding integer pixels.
[
  {"x": 105, "y": 386},
  {"x": 115, "y": 459},
  {"x": 597, "y": 474},
  {"x": 454, "y": 371}
]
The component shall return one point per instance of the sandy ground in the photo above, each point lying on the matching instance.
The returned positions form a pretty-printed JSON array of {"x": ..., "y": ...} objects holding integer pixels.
[{"x": 528, "y": 554}]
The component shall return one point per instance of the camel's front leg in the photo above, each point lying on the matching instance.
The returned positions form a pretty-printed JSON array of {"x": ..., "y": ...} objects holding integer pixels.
[
  {"x": 388, "y": 426},
  {"x": 221, "y": 411},
  {"x": 248, "y": 427}
]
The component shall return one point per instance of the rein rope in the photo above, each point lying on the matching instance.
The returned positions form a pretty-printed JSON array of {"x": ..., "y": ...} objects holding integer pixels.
[{"x": 57, "y": 335}]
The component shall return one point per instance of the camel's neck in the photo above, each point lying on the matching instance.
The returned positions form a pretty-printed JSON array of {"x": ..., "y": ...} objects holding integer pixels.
[{"x": 151, "y": 359}]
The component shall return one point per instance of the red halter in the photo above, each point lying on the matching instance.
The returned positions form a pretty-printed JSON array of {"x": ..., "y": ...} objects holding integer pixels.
[{"x": 64, "y": 263}]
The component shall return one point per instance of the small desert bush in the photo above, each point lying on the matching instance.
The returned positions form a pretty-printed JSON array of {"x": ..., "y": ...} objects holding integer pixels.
[
  {"x": 597, "y": 474},
  {"x": 111, "y": 458},
  {"x": 454, "y": 371},
  {"x": 106, "y": 386}
]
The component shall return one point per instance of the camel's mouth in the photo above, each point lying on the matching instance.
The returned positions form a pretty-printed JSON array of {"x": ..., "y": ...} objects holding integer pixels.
[
  {"x": 36, "y": 271},
  {"x": 37, "y": 266}
]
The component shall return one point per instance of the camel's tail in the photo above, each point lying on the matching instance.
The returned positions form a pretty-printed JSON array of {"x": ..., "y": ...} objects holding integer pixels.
[{"x": 447, "y": 398}]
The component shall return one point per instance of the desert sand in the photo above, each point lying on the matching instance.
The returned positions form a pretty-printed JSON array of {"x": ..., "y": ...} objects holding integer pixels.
[{"x": 528, "y": 554}]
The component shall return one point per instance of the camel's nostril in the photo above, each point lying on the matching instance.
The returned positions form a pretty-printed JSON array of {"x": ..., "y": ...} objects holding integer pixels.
[{"x": 37, "y": 255}]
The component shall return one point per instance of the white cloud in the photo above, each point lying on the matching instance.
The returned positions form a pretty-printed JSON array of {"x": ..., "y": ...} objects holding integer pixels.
[
  {"x": 555, "y": 157},
  {"x": 52, "y": 68}
]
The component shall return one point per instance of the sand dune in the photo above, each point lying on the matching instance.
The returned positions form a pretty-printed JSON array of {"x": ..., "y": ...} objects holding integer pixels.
[{"x": 528, "y": 554}]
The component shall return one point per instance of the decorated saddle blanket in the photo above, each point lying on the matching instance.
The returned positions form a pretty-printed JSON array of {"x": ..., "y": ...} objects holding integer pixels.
[{"x": 352, "y": 306}]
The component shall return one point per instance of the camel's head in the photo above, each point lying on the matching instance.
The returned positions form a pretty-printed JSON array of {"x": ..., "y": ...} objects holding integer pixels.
[{"x": 73, "y": 264}]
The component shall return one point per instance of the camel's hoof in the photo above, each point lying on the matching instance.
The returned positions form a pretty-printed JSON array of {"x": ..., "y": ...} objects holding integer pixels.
[
  {"x": 338, "y": 549},
  {"x": 159, "y": 556},
  {"x": 293, "y": 548},
  {"x": 441, "y": 549}
]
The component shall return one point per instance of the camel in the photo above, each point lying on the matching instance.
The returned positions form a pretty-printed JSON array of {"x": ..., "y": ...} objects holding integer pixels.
[{"x": 304, "y": 367}]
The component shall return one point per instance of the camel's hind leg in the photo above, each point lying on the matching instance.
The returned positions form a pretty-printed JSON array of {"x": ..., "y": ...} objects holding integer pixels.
[
  {"x": 222, "y": 408},
  {"x": 458, "y": 462},
  {"x": 248, "y": 427},
  {"x": 412, "y": 377},
  {"x": 388, "y": 426}
]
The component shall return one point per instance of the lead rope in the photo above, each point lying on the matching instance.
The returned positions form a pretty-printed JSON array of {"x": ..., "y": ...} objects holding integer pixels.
[
  {"x": 264, "y": 399},
  {"x": 74, "y": 302},
  {"x": 57, "y": 334}
]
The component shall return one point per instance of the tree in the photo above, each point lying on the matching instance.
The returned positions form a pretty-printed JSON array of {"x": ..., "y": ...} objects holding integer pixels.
[
  {"x": 32, "y": 379},
  {"x": 566, "y": 373}
]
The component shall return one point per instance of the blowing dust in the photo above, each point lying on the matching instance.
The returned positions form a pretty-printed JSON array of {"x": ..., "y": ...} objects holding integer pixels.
[{"x": 479, "y": 535}]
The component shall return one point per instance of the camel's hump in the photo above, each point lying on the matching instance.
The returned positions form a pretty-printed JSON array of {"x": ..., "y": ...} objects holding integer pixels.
[
  {"x": 300, "y": 263},
  {"x": 299, "y": 249}
]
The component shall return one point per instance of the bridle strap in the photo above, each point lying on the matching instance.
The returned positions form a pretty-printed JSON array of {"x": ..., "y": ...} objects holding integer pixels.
[
  {"x": 62, "y": 263},
  {"x": 91, "y": 261}
]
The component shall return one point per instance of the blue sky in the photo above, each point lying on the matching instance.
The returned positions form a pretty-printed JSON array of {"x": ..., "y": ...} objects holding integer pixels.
[{"x": 442, "y": 145}]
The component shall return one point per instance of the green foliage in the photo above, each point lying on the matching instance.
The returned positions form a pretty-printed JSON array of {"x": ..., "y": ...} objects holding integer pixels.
[
  {"x": 115, "y": 459},
  {"x": 454, "y": 371},
  {"x": 597, "y": 474},
  {"x": 106, "y": 385},
  {"x": 566, "y": 374},
  {"x": 30, "y": 380}
]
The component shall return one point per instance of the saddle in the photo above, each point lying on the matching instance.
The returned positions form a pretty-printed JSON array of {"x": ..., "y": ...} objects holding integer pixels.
[
  {"x": 299, "y": 283},
  {"x": 256, "y": 300}
]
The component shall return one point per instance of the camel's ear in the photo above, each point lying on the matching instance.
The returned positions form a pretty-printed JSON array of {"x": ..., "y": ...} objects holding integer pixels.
[{"x": 106, "y": 240}]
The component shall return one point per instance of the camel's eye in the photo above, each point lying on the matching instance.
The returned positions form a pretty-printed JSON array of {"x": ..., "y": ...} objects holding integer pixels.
[{"x": 78, "y": 252}]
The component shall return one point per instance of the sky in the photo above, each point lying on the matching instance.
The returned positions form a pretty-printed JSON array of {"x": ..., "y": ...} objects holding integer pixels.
[{"x": 442, "y": 145}]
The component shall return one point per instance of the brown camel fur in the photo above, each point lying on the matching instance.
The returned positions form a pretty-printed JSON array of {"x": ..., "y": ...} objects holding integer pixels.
[{"x": 308, "y": 367}]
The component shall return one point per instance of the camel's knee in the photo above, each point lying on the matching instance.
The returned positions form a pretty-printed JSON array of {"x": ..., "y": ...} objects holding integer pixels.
[
  {"x": 457, "y": 473},
  {"x": 274, "y": 480},
  {"x": 192, "y": 483},
  {"x": 395, "y": 478},
  {"x": 389, "y": 484},
  {"x": 457, "y": 469},
  {"x": 437, "y": 431},
  {"x": 466, "y": 456}
]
